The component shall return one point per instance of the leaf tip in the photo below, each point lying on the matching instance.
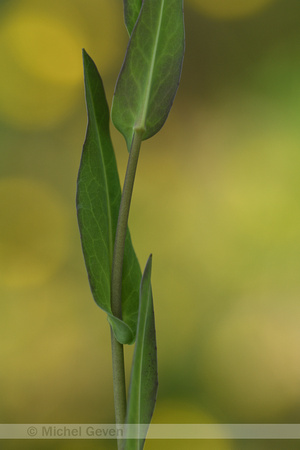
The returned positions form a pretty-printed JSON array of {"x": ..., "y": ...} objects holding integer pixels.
[
  {"x": 148, "y": 268},
  {"x": 149, "y": 261},
  {"x": 86, "y": 57}
]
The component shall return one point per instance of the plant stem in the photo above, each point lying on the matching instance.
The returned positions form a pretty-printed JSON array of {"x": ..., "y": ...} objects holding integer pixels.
[
  {"x": 117, "y": 263},
  {"x": 116, "y": 281},
  {"x": 118, "y": 379}
]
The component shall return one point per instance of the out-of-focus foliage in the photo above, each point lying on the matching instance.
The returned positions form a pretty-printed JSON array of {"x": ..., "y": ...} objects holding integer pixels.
[
  {"x": 230, "y": 9},
  {"x": 217, "y": 195}
]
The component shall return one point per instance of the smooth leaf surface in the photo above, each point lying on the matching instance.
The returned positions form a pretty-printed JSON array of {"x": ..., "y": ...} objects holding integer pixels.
[
  {"x": 151, "y": 71},
  {"x": 131, "y": 12},
  {"x": 98, "y": 198},
  {"x": 143, "y": 379}
]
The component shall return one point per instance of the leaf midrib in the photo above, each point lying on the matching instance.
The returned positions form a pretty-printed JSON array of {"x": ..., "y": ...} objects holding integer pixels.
[
  {"x": 142, "y": 124},
  {"x": 105, "y": 179}
]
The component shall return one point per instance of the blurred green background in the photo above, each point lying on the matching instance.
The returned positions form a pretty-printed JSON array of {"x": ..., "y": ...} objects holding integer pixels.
[{"x": 217, "y": 202}]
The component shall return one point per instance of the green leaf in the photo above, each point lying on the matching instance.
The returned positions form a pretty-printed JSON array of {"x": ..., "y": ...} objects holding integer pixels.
[
  {"x": 143, "y": 380},
  {"x": 131, "y": 12},
  {"x": 98, "y": 199},
  {"x": 151, "y": 71}
]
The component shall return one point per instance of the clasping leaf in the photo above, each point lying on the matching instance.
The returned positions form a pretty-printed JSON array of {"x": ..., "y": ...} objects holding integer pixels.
[
  {"x": 98, "y": 199},
  {"x": 151, "y": 71},
  {"x": 143, "y": 379}
]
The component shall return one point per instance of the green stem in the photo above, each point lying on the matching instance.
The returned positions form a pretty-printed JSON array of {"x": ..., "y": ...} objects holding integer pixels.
[
  {"x": 117, "y": 263},
  {"x": 116, "y": 280},
  {"x": 118, "y": 379}
]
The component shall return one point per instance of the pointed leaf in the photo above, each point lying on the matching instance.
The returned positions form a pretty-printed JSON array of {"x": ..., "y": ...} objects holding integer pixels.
[
  {"x": 143, "y": 380},
  {"x": 98, "y": 198},
  {"x": 131, "y": 12},
  {"x": 151, "y": 70}
]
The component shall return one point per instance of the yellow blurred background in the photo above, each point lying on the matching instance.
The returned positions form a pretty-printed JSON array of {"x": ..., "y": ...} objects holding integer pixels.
[{"x": 217, "y": 202}]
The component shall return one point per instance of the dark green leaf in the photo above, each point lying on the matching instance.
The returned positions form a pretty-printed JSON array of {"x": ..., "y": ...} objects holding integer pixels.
[
  {"x": 98, "y": 199},
  {"x": 143, "y": 380},
  {"x": 151, "y": 70},
  {"x": 131, "y": 12}
]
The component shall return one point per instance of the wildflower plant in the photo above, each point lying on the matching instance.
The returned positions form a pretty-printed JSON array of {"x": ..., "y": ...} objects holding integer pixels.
[{"x": 143, "y": 96}]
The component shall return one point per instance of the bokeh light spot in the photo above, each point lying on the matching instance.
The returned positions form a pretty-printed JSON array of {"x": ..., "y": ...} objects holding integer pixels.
[
  {"x": 29, "y": 98},
  {"x": 175, "y": 411},
  {"x": 45, "y": 46},
  {"x": 33, "y": 233},
  {"x": 41, "y": 62},
  {"x": 230, "y": 9},
  {"x": 30, "y": 103}
]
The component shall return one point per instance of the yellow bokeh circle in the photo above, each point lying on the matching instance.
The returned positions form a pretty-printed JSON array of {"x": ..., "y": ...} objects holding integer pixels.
[
  {"x": 34, "y": 231},
  {"x": 182, "y": 412},
  {"x": 45, "y": 46},
  {"x": 41, "y": 57},
  {"x": 230, "y": 9},
  {"x": 39, "y": 70},
  {"x": 31, "y": 103}
]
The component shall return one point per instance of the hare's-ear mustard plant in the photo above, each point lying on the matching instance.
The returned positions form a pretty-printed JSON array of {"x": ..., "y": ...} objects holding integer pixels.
[{"x": 143, "y": 96}]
